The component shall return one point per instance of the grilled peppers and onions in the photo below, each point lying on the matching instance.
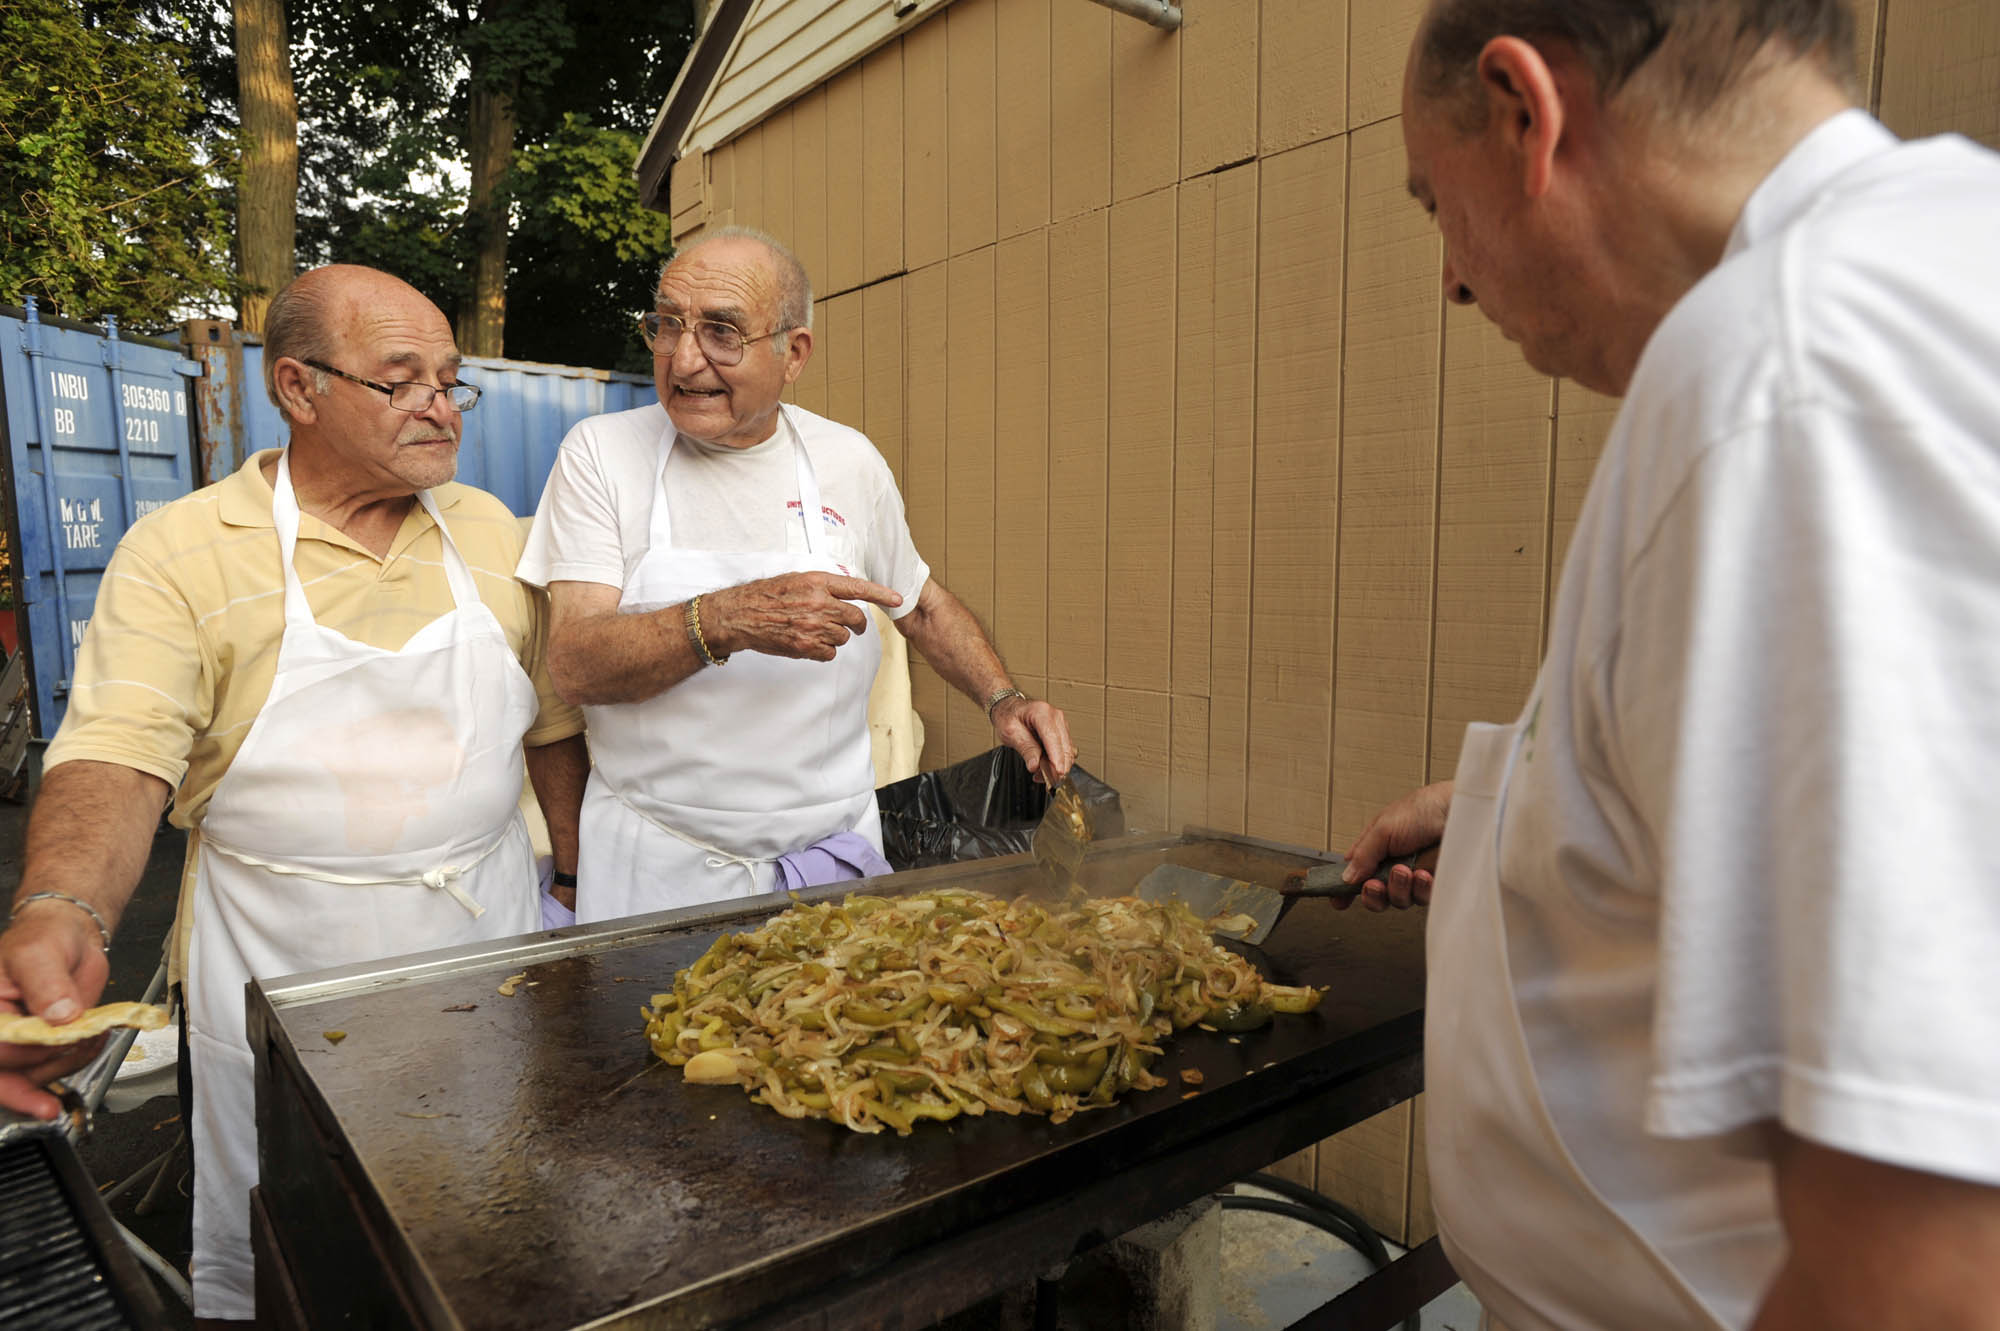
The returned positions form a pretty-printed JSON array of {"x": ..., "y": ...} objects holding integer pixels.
[{"x": 882, "y": 1012}]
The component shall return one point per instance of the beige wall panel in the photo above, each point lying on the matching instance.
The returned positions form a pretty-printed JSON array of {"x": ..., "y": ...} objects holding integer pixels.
[
  {"x": 1187, "y": 778},
  {"x": 1941, "y": 68},
  {"x": 778, "y": 174},
  {"x": 1232, "y": 368},
  {"x": 839, "y": 342},
  {"x": 1194, "y": 439},
  {"x": 1423, "y": 1220},
  {"x": 1076, "y": 323},
  {"x": 882, "y": 380},
  {"x": 1497, "y": 447},
  {"x": 1867, "y": 46},
  {"x": 1021, "y": 452},
  {"x": 925, "y": 303},
  {"x": 844, "y": 146},
  {"x": 1137, "y": 744},
  {"x": 1367, "y": 1169},
  {"x": 1388, "y": 478},
  {"x": 1079, "y": 107},
  {"x": 1583, "y": 422},
  {"x": 1139, "y": 510},
  {"x": 1297, "y": 471},
  {"x": 1218, "y": 75},
  {"x": 1145, "y": 109},
  {"x": 1302, "y": 73},
  {"x": 925, "y": 112},
  {"x": 748, "y": 171},
  {"x": 1083, "y": 707},
  {"x": 775, "y": 36},
  {"x": 685, "y": 197},
  {"x": 967, "y": 735},
  {"x": 809, "y": 186},
  {"x": 1021, "y": 102},
  {"x": 810, "y": 389},
  {"x": 882, "y": 163},
  {"x": 930, "y": 696},
  {"x": 968, "y": 502},
  {"x": 720, "y": 167},
  {"x": 972, "y": 169},
  {"x": 1379, "y": 36}
]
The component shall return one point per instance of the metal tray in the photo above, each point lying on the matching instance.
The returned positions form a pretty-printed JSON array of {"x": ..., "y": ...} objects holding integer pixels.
[{"x": 529, "y": 1163}]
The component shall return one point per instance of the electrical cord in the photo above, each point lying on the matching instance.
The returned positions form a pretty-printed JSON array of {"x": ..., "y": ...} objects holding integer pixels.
[
  {"x": 1317, "y": 1209},
  {"x": 1371, "y": 1244}
]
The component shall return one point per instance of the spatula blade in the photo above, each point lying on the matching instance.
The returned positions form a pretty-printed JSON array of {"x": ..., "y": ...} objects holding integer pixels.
[
  {"x": 1063, "y": 837},
  {"x": 1231, "y": 907}
]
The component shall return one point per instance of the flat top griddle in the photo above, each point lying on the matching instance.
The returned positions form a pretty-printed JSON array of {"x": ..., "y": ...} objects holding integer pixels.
[{"x": 530, "y": 1163}]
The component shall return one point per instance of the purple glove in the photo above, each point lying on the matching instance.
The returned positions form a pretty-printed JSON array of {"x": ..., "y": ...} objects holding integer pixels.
[{"x": 831, "y": 860}]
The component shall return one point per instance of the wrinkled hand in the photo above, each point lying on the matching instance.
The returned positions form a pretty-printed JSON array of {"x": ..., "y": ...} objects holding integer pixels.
[
  {"x": 1039, "y": 732},
  {"x": 801, "y": 615},
  {"x": 54, "y": 967},
  {"x": 1413, "y": 823}
]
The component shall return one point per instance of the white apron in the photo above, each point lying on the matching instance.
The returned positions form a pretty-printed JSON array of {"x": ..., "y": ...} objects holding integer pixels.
[
  {"x": 372, "y": 811},
  {"x": 1503, "y": 1183},
  {"x": 695, "y": 793}
]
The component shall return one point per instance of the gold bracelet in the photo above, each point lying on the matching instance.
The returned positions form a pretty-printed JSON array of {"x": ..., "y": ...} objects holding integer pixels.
[{"x": 693, "y": 621}]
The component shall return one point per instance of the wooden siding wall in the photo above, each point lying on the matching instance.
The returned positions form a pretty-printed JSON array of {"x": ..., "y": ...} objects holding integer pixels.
[{"x": 1154, "y": 341}]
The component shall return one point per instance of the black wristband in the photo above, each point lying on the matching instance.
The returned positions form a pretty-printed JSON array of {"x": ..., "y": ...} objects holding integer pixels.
[{"x": 564, "y": 880}]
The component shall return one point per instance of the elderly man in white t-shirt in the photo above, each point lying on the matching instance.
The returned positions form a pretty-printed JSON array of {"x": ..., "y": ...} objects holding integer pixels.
[
  {"x": 1697, "y": 1055},
  {"x": 708, "y": 561}
]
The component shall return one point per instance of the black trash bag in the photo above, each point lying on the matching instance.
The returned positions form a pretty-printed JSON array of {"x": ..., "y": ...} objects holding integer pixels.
[{"x": 982, "y": 807}]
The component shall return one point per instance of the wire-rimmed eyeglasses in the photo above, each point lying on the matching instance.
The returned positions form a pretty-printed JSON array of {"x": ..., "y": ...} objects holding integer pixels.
[
  {"x": 411, "y": 396},
  {"x": 722, "y": 343}
]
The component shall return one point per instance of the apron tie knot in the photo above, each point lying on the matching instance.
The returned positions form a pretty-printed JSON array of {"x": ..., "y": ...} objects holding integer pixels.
[{"x": 445, "y": 879}]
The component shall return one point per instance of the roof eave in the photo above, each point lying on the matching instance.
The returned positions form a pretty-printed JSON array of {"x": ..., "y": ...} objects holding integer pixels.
[{"x": 698, "y": 72}]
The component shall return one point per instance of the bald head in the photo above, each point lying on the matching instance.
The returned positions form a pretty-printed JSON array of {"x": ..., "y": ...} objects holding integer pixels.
[
  {"x": 306, "y": 320},
  {"x": 795, "y": 296},
  {"x": 1686, "y": 55}
]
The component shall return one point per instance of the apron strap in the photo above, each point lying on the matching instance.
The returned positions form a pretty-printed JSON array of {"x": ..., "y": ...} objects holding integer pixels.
[
  {"x": 443, "y": 878},
  {"x": 718, "y": 858},
  {"x": 285, "y": 517},
  {"x": 660, "y": 525}
]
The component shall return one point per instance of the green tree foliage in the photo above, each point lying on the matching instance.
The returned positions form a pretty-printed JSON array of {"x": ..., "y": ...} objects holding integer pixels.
[
  {"x": 384, "y": 93},
  {"x": 586, "y": 253},
  {"x": 108, "y": 200}
]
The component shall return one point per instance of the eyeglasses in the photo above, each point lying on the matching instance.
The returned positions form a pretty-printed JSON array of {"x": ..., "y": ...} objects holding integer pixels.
[
  {"x": 411, "y": 396},
  {"x": 722, "y": 343}
]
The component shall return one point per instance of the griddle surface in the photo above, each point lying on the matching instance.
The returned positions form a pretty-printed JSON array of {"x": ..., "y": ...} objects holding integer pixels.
[{"x": 544, "y": 1168}]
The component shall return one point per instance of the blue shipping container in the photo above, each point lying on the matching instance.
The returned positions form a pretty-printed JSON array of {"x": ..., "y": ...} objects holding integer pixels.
[
  {"x": 510, "y": 438},
  {"x": 98, "y": 435}
]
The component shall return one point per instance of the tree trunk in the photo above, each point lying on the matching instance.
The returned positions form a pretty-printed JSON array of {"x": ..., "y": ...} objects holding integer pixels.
[
  {"x": 482, "y": 320},
  {"x": 267, "y": 196}
]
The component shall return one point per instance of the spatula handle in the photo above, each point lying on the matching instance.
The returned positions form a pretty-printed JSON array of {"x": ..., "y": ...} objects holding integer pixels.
[{"x": 1323, "y": 880}]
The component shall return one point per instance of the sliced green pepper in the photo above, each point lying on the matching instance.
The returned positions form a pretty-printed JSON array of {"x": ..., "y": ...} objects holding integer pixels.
[
  {"x": 1035, "y": 1089},
  {"x": 1033, "y": 1018},
  {"x": 1234, "y": 1016},
  {"x": 1076, "y": 1078}
]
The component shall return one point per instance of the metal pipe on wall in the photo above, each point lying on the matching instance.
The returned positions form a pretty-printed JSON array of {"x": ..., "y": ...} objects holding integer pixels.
[{"x": 1156, "y": 12}]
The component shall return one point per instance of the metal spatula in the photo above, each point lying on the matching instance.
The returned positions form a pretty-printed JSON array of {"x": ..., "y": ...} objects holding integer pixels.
[
  {"x": 1247, "y": 911},
  {"x": 1063, "y": 836}
]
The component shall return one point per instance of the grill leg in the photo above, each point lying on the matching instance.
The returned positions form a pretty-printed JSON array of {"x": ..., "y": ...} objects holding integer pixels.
[
  {"x": 149, "y": 1202},
  {"x": 158, "y": 1265}
]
